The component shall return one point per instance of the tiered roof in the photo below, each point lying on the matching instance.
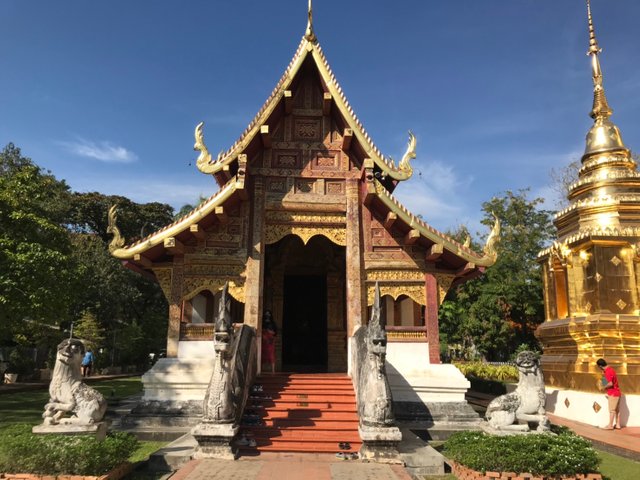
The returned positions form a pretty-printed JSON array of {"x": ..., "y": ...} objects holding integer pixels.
[{"x": 230, "y": 168}]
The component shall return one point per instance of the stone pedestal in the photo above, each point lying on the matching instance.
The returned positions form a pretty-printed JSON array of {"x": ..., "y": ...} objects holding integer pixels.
[
  {"x": 215, "y": 440},
  {"x": 98, "y": 430},
  {"x": 423, "y": 392},
  {"x": 380, "y": 444},
  {"x": 182, "y": 378}
]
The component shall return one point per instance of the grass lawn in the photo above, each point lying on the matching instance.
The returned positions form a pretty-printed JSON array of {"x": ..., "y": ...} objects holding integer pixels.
[
  {"x": 618, "y": 468},
  {"x": 27, "y": 407}
]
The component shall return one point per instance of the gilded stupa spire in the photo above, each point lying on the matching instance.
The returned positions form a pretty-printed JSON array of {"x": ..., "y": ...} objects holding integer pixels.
[
  {"x": 601, "y": 108},
  {"x": 604, "y": 136},
  {"x": 308, "y": 34}
]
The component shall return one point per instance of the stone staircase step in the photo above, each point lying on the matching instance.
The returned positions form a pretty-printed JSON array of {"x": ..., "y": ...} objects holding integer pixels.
[
  {"x": 268, "y": 445},
  {"x": 304, "y": 413},
  {"x": 346, "y": 434}
]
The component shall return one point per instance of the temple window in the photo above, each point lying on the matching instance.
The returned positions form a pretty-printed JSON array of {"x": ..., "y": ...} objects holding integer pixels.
[{"x": 559, "y": 274}]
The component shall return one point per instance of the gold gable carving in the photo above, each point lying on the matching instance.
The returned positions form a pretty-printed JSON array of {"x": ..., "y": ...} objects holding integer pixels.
[
  {"x": 163, "y": 275},
  {"x": 444, "y": 284},
  {"x": 274, "y": 233},
  {"x": 195, "y": 285},
  {"x": 414, "y": 292},
  {"x": 305, "y": 225},
  {"x": 395, "y": 275}
]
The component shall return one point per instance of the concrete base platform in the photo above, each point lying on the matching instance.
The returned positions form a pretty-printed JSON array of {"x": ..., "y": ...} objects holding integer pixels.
[
  {"x": 174, "y": 455},
  {"x": 419, "y": 458},
  {"x": 98, "y": 430}
]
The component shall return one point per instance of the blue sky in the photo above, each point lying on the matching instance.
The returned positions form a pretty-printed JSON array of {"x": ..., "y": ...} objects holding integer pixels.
[{"x": 106, "y": 94}]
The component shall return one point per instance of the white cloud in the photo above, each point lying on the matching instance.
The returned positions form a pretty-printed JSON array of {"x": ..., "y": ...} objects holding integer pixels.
[
  {"x": 175, "y": 193},
  {"x": 103, "y": 151},
  {"x": 431, "y": 193}
]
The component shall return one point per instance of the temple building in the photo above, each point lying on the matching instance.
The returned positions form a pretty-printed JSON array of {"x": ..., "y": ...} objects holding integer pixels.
[
  {"x": 303, "y": 224},
  {"x": 592, "y": 275}
]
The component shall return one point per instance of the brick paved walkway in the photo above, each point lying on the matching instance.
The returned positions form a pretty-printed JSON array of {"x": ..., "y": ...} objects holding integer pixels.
[{"x": 289, "y": 466}]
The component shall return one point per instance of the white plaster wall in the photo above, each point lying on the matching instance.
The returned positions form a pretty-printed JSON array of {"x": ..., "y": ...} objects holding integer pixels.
[
  {"x": 196, "y": 350},
  {"x": 412, "y": 378},
  {"x": 579, "y": 406},
  {"x": 199, "y": 312}
]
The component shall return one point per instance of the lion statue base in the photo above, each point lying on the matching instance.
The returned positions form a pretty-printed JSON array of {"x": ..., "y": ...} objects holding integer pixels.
[{"x": 516, "y": 410}]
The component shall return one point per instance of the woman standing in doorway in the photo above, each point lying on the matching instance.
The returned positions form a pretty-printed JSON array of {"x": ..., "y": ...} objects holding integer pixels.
[{"x": 269, "y": 332}]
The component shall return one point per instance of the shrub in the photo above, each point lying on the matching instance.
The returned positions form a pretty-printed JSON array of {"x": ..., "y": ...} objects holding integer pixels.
[
  {"x": 538, "y": 454},
  {"x": 24, "y": 452},
  {"x": 502, "y": 373}
]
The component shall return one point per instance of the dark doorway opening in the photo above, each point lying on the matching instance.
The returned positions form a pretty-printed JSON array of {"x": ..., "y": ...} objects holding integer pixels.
[{"x": 304, "y": 326}]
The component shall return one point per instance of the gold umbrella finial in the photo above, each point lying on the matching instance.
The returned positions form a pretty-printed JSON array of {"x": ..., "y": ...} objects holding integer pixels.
[
  {"x": 594, "y": 49},
  {"x": 603, "y": 136},
  {"x": 601, "y": 109},
  {"x": 309, "y": 35}
]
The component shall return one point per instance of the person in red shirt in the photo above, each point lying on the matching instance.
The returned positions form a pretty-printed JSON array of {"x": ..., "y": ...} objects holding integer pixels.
[{"x": 610, "y": 384}]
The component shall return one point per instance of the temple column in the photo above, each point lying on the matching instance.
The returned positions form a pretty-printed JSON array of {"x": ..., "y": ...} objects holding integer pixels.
[
  {"x": 255, "y": 264},
  {"x": 431, "y": 317},
  {"x": 355, "y": 282},
  {"x": 175, "y": 307}
]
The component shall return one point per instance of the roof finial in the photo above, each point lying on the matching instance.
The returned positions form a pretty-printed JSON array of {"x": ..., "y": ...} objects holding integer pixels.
[
  {"x": 593, "y": 42},
  {"x": 601, "y": 108},
  {"x": 603, "y": 136},
  {"x": 309, "y": 35}
]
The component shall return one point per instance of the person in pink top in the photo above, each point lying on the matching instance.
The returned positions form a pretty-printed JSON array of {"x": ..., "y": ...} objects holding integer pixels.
[{"x": 610, "y": 384}]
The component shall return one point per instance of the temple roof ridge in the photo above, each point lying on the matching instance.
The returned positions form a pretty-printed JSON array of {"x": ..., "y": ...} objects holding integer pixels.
[
  {"x": 306, "y": 47},
  {"x": 182, "y": 223},
  {"x": 434, "y": 235}
]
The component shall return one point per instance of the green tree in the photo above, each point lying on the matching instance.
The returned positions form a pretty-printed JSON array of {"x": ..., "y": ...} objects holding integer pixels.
[
  {"x": 135, "y": 220},
  {"x": 89, "y": 330},
  {"x": 35, "y": 274},
  {"x": 501, "y": 310},
  {"x": 187, "y": 207}
]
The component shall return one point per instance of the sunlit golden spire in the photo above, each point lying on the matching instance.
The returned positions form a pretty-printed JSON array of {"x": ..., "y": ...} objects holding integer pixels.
[
  {"x": 309, "y": 35},
  {"x": 604, "y": 135},
  {"x": 600, "y": 106}
]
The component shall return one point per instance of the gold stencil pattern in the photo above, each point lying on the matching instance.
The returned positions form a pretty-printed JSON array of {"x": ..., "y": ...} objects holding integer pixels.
[
  {"x": 414, "y": 292},
  {"x": 163, "y": 275}
]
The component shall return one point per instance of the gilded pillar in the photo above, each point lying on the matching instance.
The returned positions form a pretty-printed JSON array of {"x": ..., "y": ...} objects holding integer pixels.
[
  {"x": 431, "y": 317},
  {"x": 255, "y": 259},
  {"x": 354, "y": 276},
  {"x": 175, "y": 307}
]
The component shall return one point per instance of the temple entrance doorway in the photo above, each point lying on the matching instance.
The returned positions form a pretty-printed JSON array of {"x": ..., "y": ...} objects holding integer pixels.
[
  {"x": 304, "y": 323},
  {"x": 304, "y": 288}
]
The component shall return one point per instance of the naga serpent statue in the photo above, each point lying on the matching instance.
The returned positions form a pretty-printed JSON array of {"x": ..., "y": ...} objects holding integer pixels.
[
  {"x": 219, "y": 405},
  {"x": 376, "y": 405}
]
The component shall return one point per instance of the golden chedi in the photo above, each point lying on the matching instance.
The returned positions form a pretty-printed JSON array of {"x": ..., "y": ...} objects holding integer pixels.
[{"x": 591, "y": 273}]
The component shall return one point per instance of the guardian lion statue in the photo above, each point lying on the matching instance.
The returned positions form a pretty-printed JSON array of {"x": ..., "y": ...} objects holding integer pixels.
[
  {"x": 515, "y": 410},
  {"x": 69, "y": 395}
]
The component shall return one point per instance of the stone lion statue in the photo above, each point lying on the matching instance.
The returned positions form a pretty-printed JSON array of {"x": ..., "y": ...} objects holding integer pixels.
[
  {"x": 515, "y": 410},
  {"x": 68, "y": 394}
]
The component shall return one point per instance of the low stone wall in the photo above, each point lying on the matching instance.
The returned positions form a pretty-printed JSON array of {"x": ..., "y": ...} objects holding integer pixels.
[
  {"x": 464, "y": 473},
  {"x": 115, "y": 474}
]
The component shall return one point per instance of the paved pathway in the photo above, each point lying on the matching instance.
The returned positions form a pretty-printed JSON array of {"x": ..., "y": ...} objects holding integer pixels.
[
  {"x": 625, "y": 441},
  {"x": 289, "y": 466}
]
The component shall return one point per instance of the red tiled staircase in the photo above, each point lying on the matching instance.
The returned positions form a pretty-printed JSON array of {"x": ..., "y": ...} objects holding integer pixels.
[{"x": 305, "y": 413}]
